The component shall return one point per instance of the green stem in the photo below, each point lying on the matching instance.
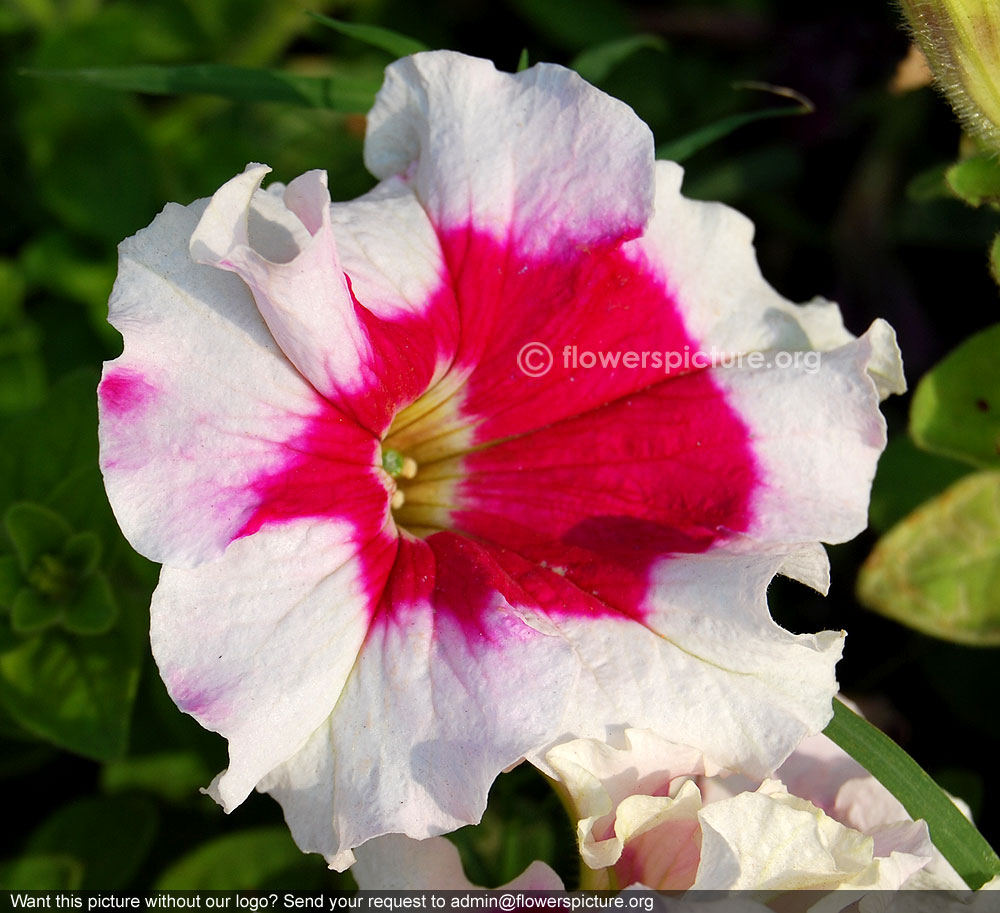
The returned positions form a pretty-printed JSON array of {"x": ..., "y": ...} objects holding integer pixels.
[{"x": 952, "y": 833}]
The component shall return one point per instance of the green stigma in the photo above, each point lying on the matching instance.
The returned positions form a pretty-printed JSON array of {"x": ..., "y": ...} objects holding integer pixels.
[
  {"x": 396, "y": 464},
  {"x": 392, "y": 461}
]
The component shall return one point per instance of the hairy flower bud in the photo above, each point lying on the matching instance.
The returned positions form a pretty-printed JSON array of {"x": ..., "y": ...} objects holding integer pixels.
[{"x": 961, "y": 39}]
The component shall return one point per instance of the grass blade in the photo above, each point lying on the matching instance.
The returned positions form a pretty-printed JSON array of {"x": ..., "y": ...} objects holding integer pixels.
[
  {"x": 953, "y": 834},
  {"x": 337, "y": 93}
]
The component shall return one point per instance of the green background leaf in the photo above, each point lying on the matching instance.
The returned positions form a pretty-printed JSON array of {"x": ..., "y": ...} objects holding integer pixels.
[
  {"x": 939, "y": 569},
  {"x": 241, "y": 862},
  {"x": 956, "y": 406},
  {"x": 41, "y": 873},
  {"x": 682, "y": 148},
  {"x": 345, "y": 94},
  {"x": 384, "y": 39},
  {"x": 975, "y": 180},
  {"x": 595, "y": 63},
  {"x": 109, "y": 836},
  {"x": 176, "y": 776},
  {"x": 76, "y": 691},
  {"x": 906, "y": 477}
]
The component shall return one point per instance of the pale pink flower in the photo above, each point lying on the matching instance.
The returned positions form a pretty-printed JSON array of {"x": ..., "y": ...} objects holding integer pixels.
[
  {"x": 395, "y": 564},
  {"x": 661, "y": 815}
]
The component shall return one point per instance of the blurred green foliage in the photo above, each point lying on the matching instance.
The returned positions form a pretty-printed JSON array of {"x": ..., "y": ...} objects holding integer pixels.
[
  {"x": 87, "y": 732},
  {"x": 939, "y": 569},
  {"x": 956, "y": 406}
]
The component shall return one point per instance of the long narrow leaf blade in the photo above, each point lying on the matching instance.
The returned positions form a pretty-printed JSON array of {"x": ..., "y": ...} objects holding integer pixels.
[
  {"x": 595, "y": 63},
  {"x": 337, "y": 93},
  {"x": 952, "y": 833},
  {"x": 375, "y": 36},
  {"x": 684, "y": 147}
]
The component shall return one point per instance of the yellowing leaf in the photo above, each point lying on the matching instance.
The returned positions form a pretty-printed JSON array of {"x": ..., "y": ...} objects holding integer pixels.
[
  {"x": 939, "y": 569},
  {"x": 956, "y": 407}
]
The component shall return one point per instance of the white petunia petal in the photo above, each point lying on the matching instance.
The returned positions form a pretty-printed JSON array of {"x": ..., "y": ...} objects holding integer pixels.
[
  {"x": 742, "y": 689},
  {"x": 817, "y": 436},
  {"x": 395, "y": 863},
  {"x": 528, "y": 157},
  {"x": 201, "y": 403},
  {"x": 431, "y": 713},
  {"x": 258, "y": 645}
]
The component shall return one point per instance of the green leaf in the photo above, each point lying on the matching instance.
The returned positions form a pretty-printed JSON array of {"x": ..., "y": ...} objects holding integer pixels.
[
  {"x": 19, "y": 757},
  {"x": 81, "y": 499},
  {"x": 523, "y": 61},
  {"x": 956, "y": 406},
  {"x": 53, "y": 262},
  {"x": 82, "y": 553},
  {"x": 523, "y": 822},
  {"x": 11, "y": 580},
  {"x": 22, "y": 373},
  {"x": 236, "y": 862},
  {"x": 107, "y": 136},
  {"x": 576, "y": 24},
  {"x": 338, "y": 93},
  {"x": 975, "y": 180},
  {"x": 9, "y": 640},
  {"x": 952, "y": 833},
  {"x": 93, "y": 609},
  {"x": 38, "y": 451},
  {"x": 174, "y": 776},
  {"x": 35, "y": 531},
  {"x": 939, "y": 569},
  {"x": 110, "y": 836},
  {"x": 680, "y": 149},
  {"x": 76, "y": 692},
  {"x": 995, "y": 258},
  {"x": 769, "y": 169},
  {"x": 906, "y": 477},
  {"x": 930, "y": 184},
  {"x": 12, "y": 288},
  {"x": 595, "y": 63},
  {"x": 32, "y": 612},
  {"x": 374, "y": 35},
  {"x": 41, "y": 873}
]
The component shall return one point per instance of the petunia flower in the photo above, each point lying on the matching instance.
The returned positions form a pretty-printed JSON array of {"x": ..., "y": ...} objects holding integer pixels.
[
  {"x": 394, "y": 562},
  {"x": 661, "y": 815}
]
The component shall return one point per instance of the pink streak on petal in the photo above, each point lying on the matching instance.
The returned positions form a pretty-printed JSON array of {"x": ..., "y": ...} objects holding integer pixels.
[
  {"x": 202, "y": 703},
  {"x": 125, "y": 393}
]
